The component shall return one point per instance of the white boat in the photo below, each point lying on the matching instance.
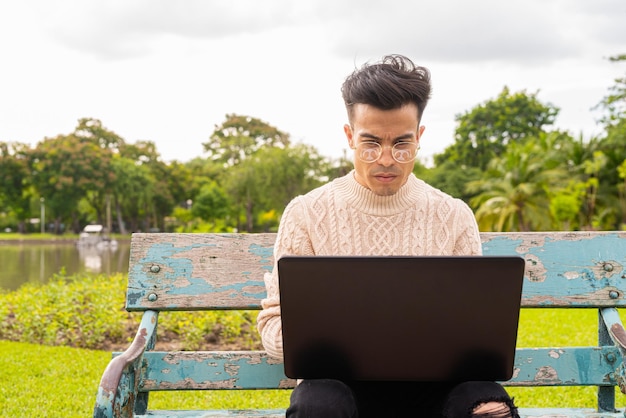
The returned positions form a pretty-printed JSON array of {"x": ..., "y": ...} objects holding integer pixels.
[{"x": 95, "y": 236}]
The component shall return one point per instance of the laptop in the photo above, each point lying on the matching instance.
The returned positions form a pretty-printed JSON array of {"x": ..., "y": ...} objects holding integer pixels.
[{"x": 440, "y": 318}]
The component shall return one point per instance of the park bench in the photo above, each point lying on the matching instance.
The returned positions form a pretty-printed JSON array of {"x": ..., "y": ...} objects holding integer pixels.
[{"x": 225, "y": 271}]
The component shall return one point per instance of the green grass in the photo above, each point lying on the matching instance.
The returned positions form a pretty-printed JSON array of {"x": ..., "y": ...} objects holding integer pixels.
[
  {"x": 36, "y": 236},
  {"x": 43, "y": 381},
  {"x": 46, "y": 236}
]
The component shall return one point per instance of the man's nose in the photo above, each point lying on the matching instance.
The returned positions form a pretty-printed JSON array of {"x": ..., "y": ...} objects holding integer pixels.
[{"x": 386, "y": 156}]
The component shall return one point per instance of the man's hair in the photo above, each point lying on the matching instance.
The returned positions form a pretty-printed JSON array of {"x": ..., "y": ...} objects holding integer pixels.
[{"x": 389, "y": 84}]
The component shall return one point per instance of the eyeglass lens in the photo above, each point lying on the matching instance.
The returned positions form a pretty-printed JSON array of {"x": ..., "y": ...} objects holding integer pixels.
[{"x": 402, "y": 152}]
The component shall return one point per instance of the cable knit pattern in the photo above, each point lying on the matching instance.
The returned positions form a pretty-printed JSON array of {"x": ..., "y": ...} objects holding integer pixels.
[{"x": 344, "y": 218}]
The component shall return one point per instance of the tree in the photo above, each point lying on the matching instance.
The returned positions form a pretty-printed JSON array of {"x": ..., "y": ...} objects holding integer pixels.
[
  {"x": 288, "y": 172},
  {"x": 565, "y": 206},
  {"x": 170, "y": 184},
  {"x": 90, "y": 130},
  {"x": 615, "y": 102},
  {"x": 338, "y": 167},
  {"x": 211, "y": 203},
  {"x": 513, "y": 194},
  {"x": 484, "y": 132},
  {"x": 65, "y": 169},
  {"x": 450, "y": 178},
  {"x": 15, "y": 190},
  {"x": 241, "y": 136},
  {"x": 133, "y": 191},
  {"x": 609, "y": 198},
  {"x": 271, "y": 178},
  {"x": 621, "y": 170}
]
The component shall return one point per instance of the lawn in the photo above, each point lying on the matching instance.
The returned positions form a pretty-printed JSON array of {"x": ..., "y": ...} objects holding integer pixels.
[{"x": 43, "y": 381}]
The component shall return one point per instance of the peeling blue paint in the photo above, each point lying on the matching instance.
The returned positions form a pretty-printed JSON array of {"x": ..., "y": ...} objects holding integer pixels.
[
  {"x": 570, "y": 366},
  {"x": 564, "y": 266},
  {"x": 230, "y": 371},
  {"x": 199, "y": 286},
  {"x": 264, "y": 253},
  {"x": 162, "y": 254}
]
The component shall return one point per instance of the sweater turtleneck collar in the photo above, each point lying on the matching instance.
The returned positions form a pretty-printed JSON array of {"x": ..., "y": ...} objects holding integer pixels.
[{"x": 366, "y": 201}]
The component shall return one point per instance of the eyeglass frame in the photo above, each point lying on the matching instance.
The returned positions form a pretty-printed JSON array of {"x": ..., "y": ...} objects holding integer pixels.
[{"x": 381, "y": 148}]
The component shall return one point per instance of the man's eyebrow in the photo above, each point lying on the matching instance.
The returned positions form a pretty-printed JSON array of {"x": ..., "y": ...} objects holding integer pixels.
[{"x": 375, "y": 138}]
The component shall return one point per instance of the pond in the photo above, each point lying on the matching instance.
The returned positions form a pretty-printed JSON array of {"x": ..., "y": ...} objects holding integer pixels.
[{"x": 38, "y": 262}]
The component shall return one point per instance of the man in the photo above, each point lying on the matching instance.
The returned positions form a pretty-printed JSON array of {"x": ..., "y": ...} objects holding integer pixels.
[{"x": 380, "y": 208}]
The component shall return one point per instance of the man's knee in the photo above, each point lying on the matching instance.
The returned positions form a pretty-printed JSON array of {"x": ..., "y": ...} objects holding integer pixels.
[
  {"x": 322, "y": 398},
  {"x": 479, "y": 399}
]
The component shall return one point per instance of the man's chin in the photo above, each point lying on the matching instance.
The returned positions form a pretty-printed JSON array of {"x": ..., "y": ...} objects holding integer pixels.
[{"x": 387, "y": 190}]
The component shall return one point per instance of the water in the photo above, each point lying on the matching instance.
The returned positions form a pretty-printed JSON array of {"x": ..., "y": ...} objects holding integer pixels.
[{"x": 37, "y": 262}]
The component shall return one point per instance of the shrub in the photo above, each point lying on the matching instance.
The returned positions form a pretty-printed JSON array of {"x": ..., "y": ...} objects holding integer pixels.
[
  {"x": 87, "y": 311},
  {"x": 80, "y": 311},
  {"x": 196, "y": 330}
]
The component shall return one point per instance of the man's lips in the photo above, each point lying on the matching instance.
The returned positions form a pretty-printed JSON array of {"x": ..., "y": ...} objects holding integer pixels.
[{"x": 385, "y": 177}]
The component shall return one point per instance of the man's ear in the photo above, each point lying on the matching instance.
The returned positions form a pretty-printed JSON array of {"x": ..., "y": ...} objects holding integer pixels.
[
  {"x": 348, "y": 131},
  {"x": 420, "y": 132}
]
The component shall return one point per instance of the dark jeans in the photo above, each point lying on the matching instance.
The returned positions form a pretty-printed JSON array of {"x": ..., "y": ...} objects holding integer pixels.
[{"x": 332, "y": 398}]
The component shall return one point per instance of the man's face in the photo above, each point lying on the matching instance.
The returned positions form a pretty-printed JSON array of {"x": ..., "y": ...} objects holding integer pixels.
[{"x": 385, "y": 176}]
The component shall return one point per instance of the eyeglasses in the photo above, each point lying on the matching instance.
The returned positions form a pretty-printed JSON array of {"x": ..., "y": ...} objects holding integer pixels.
[{"x": 402, "y": 152}]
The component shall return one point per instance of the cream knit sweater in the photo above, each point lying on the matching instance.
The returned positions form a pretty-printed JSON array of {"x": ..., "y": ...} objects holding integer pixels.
[{"x": 344, "y": 218}]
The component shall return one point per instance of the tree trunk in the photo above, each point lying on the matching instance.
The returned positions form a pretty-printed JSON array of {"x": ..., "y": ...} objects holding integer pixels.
[
  {"x": 249, "y": 219},
  {"x": 120, "y": 221}
]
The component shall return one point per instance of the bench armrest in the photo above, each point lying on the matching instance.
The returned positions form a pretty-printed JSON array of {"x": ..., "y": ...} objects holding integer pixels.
[
  {"x": 119, "y": 385},
  {"x": 616, "y": 331},
  {"x": 614, "y": 326}
]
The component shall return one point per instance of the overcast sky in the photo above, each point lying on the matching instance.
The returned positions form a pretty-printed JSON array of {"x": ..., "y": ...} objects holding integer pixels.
[{"x": 169, "y": 71}]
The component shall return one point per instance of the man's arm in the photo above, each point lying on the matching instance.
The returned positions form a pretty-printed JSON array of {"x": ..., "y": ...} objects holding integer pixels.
[
  {"x": 468, "y": 239},
  {"x": 292, "y": 239}
]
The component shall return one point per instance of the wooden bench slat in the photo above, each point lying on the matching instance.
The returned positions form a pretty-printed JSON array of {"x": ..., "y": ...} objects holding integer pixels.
[
  {"x": 567, "y": 269},
  {"x": 184, "y": 370},
  {"x": 573, "y": 366},
  {"x": 181, "y": 370},
  {"x": 567, "y": 413},
  {"x": 213, "y": 271},
  {"x": 256, "y": 413},
  {"x": 277, "y": 413},
  {"x": 198, "y": 271}
]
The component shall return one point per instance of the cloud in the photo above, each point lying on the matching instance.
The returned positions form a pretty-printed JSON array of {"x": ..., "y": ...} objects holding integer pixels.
[
  {"x": 517, "y": 31},
  {"x": 512, "y": 31},
  {"x": 452, "y": 31},
  {"x": 120, "y": 29},
  {"x": 602, "y": 21}
]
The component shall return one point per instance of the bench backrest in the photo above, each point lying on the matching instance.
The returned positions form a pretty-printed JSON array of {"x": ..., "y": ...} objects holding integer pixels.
[{"x": 225, "y": 271}]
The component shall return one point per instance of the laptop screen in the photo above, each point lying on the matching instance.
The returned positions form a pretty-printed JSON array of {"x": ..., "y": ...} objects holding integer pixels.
[{"x": 444, "y": 318}]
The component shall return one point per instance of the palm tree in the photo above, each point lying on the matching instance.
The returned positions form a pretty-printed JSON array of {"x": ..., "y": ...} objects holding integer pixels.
[{"x": 514, "y": 194}]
